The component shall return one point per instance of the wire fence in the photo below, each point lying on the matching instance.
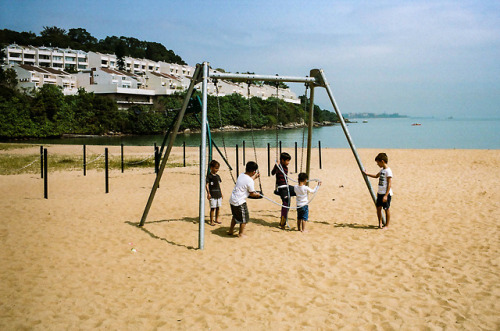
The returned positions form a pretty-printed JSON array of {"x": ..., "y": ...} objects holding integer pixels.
[{"x": 37, "y": 159}]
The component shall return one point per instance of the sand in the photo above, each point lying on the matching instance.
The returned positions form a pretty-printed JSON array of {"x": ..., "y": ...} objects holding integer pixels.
[{"x": 78, "y": 261}]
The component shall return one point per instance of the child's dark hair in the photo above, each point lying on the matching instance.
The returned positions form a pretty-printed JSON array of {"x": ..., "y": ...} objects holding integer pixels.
[
  {"x": 251, "y": 166},
  {"x": 382, "y": 157},
  {"x": 285, "y": 156},
  {"x": 303, "y": 177},
  {"x": 214, "y": 164}
]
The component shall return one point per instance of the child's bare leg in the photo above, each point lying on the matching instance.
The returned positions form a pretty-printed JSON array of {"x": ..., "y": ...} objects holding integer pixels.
[
  {"x": 299, "y": 223},
  {"x": 387, "y": 217},
  {"x": 303, "y": 226},
  {"x": 242, "y": 229},
  {"x": 379, "y": 216},
  {"x": 212, "y": 210},
  {"x": 217, "y": 215},
  {"x": 231, "y": 228}
]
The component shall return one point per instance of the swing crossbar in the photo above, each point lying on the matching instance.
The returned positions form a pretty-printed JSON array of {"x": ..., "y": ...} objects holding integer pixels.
[{"x": 251, "y": 77}]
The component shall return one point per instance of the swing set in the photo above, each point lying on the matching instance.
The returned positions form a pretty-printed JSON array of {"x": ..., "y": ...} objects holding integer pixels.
[{"x": 202, "y": 74}]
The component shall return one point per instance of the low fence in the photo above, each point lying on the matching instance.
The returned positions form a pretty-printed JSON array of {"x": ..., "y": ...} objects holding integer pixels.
[{"x": 44, "y": 161}]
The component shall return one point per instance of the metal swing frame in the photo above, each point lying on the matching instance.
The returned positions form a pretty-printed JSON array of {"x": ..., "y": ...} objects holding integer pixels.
[{"x": 202, "y": 73}]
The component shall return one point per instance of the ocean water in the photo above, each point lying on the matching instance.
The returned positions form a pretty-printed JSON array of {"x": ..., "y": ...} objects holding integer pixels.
[{"x": 433, "y": 133}]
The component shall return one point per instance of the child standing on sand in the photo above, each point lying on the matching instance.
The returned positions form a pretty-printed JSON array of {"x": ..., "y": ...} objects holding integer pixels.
[
  {"x": 282, "y": 188},
  {"x": 301, "y": 190},
  {"x": 243, "y": 189},
  {"x": 384, "y": 193},
  {"x": 214, "y": 193}
]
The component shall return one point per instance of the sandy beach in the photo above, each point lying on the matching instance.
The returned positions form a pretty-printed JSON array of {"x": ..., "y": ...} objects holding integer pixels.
[{"x": 78, "y": 260}]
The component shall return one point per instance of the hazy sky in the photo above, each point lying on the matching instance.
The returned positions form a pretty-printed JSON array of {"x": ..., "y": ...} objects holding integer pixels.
[{"x": 429, "y": 58}]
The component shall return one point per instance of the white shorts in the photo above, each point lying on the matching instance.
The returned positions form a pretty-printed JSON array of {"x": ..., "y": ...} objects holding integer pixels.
[{"x": 215, "y": 203}]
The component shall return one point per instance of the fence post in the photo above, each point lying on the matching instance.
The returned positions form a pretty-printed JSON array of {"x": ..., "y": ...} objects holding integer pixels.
[
  {"x": 84, "y": 160},
  {"x": 45, "y": 177},
  {"x": 295, "y": 157},
  {"x": 184, "y": 152},
  {"x": 41, "y": 161},
  {"x": 243, "y": 152},
  {"x": 122, "y": 157},
  {"x": 237, "y": 163},
  {"x": 268, "y": 159},
  {"x": 106, "y": 169},
  {"x": 319, "y": 147},
  {"x": 156, "y": 159}
]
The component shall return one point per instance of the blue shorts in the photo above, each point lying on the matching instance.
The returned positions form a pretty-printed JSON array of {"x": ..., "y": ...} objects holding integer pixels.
[
  {"x": 381, "y": 203},
  {"x": 303, "y": 213}
]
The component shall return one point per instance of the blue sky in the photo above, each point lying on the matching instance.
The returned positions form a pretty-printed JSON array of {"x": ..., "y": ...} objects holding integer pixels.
[{"x": 419, "y": 58}]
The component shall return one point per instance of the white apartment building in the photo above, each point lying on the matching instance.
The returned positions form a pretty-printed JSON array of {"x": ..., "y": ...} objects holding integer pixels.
[
  {"x": 163, "y": 84},
  {"x": 125, "y": 88},
  {"x": 226, "y": 87},
  {"x": 47, "y": 57},
  {"x": 146, "y": 76},
  {"x": 136, "y": 66},
  {"x": 31, "y": 77}
]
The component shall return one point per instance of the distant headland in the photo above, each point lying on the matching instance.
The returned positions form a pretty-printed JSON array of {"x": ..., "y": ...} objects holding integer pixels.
[{"x": 373, "y": 115}]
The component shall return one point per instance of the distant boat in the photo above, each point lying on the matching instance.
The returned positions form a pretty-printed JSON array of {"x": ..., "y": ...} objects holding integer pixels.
[
  {"x": 416, "y": 124},
  {"x": 365, "y": 121}
]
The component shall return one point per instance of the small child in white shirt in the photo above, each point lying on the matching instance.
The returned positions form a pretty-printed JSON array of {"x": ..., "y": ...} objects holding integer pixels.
[{"x": 301, "y": 190}]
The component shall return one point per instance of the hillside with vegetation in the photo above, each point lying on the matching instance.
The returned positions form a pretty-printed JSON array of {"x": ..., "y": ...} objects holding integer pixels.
[{"x": 47, "y": 112}]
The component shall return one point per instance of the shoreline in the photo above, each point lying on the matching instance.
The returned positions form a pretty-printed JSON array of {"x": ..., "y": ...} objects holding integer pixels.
[{"x": 228, "y": 128}]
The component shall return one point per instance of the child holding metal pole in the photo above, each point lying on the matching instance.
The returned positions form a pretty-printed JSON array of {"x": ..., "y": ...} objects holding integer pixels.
[{"x": 384, "y": 193}]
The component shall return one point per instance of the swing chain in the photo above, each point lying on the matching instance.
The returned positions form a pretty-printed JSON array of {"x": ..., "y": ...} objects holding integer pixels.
[
  {"x": 251, "y": 129},
  {"x": 221, "y": 126}
]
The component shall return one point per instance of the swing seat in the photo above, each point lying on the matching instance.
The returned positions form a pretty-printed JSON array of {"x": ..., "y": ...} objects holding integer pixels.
[{"x": 260, "y": 197}]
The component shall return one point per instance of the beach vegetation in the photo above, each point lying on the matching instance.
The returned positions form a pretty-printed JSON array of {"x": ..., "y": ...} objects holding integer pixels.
[
  {"x": 15, "y": 164},
  {"x": 47, "y": 112}
]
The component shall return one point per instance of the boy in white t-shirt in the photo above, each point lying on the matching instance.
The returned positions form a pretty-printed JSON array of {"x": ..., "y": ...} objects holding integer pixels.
[
  {"x": 301, "y": 192},
  {"x": 384, "y": 193},
  {"x": 243, "y": 189}
]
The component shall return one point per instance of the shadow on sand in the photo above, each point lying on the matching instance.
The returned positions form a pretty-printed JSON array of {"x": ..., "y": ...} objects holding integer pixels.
[
  {"x": 356, "y": 226},
  {"x": 193, "y": 220}
]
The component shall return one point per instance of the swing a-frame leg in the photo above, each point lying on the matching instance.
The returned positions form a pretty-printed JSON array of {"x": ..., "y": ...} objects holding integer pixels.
[{"x": 171, "y": 140}]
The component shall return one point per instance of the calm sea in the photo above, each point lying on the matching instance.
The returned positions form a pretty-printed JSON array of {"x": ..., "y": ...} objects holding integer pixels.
[{"x": 375, "y": 133}]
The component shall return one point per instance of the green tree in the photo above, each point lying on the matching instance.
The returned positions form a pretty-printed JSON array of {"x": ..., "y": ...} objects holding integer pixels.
[
  {"x": 120, "y": 55},
  {"x": 81, "y": 39},
  {"x": 47, "y": 102},
  {"x": 54, "y": 36}
]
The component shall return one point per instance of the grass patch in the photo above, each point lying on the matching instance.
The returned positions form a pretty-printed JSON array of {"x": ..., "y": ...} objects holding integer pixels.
[
  {"x": 10, "y": 146},
  {"x": 11, "y": 164}
]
